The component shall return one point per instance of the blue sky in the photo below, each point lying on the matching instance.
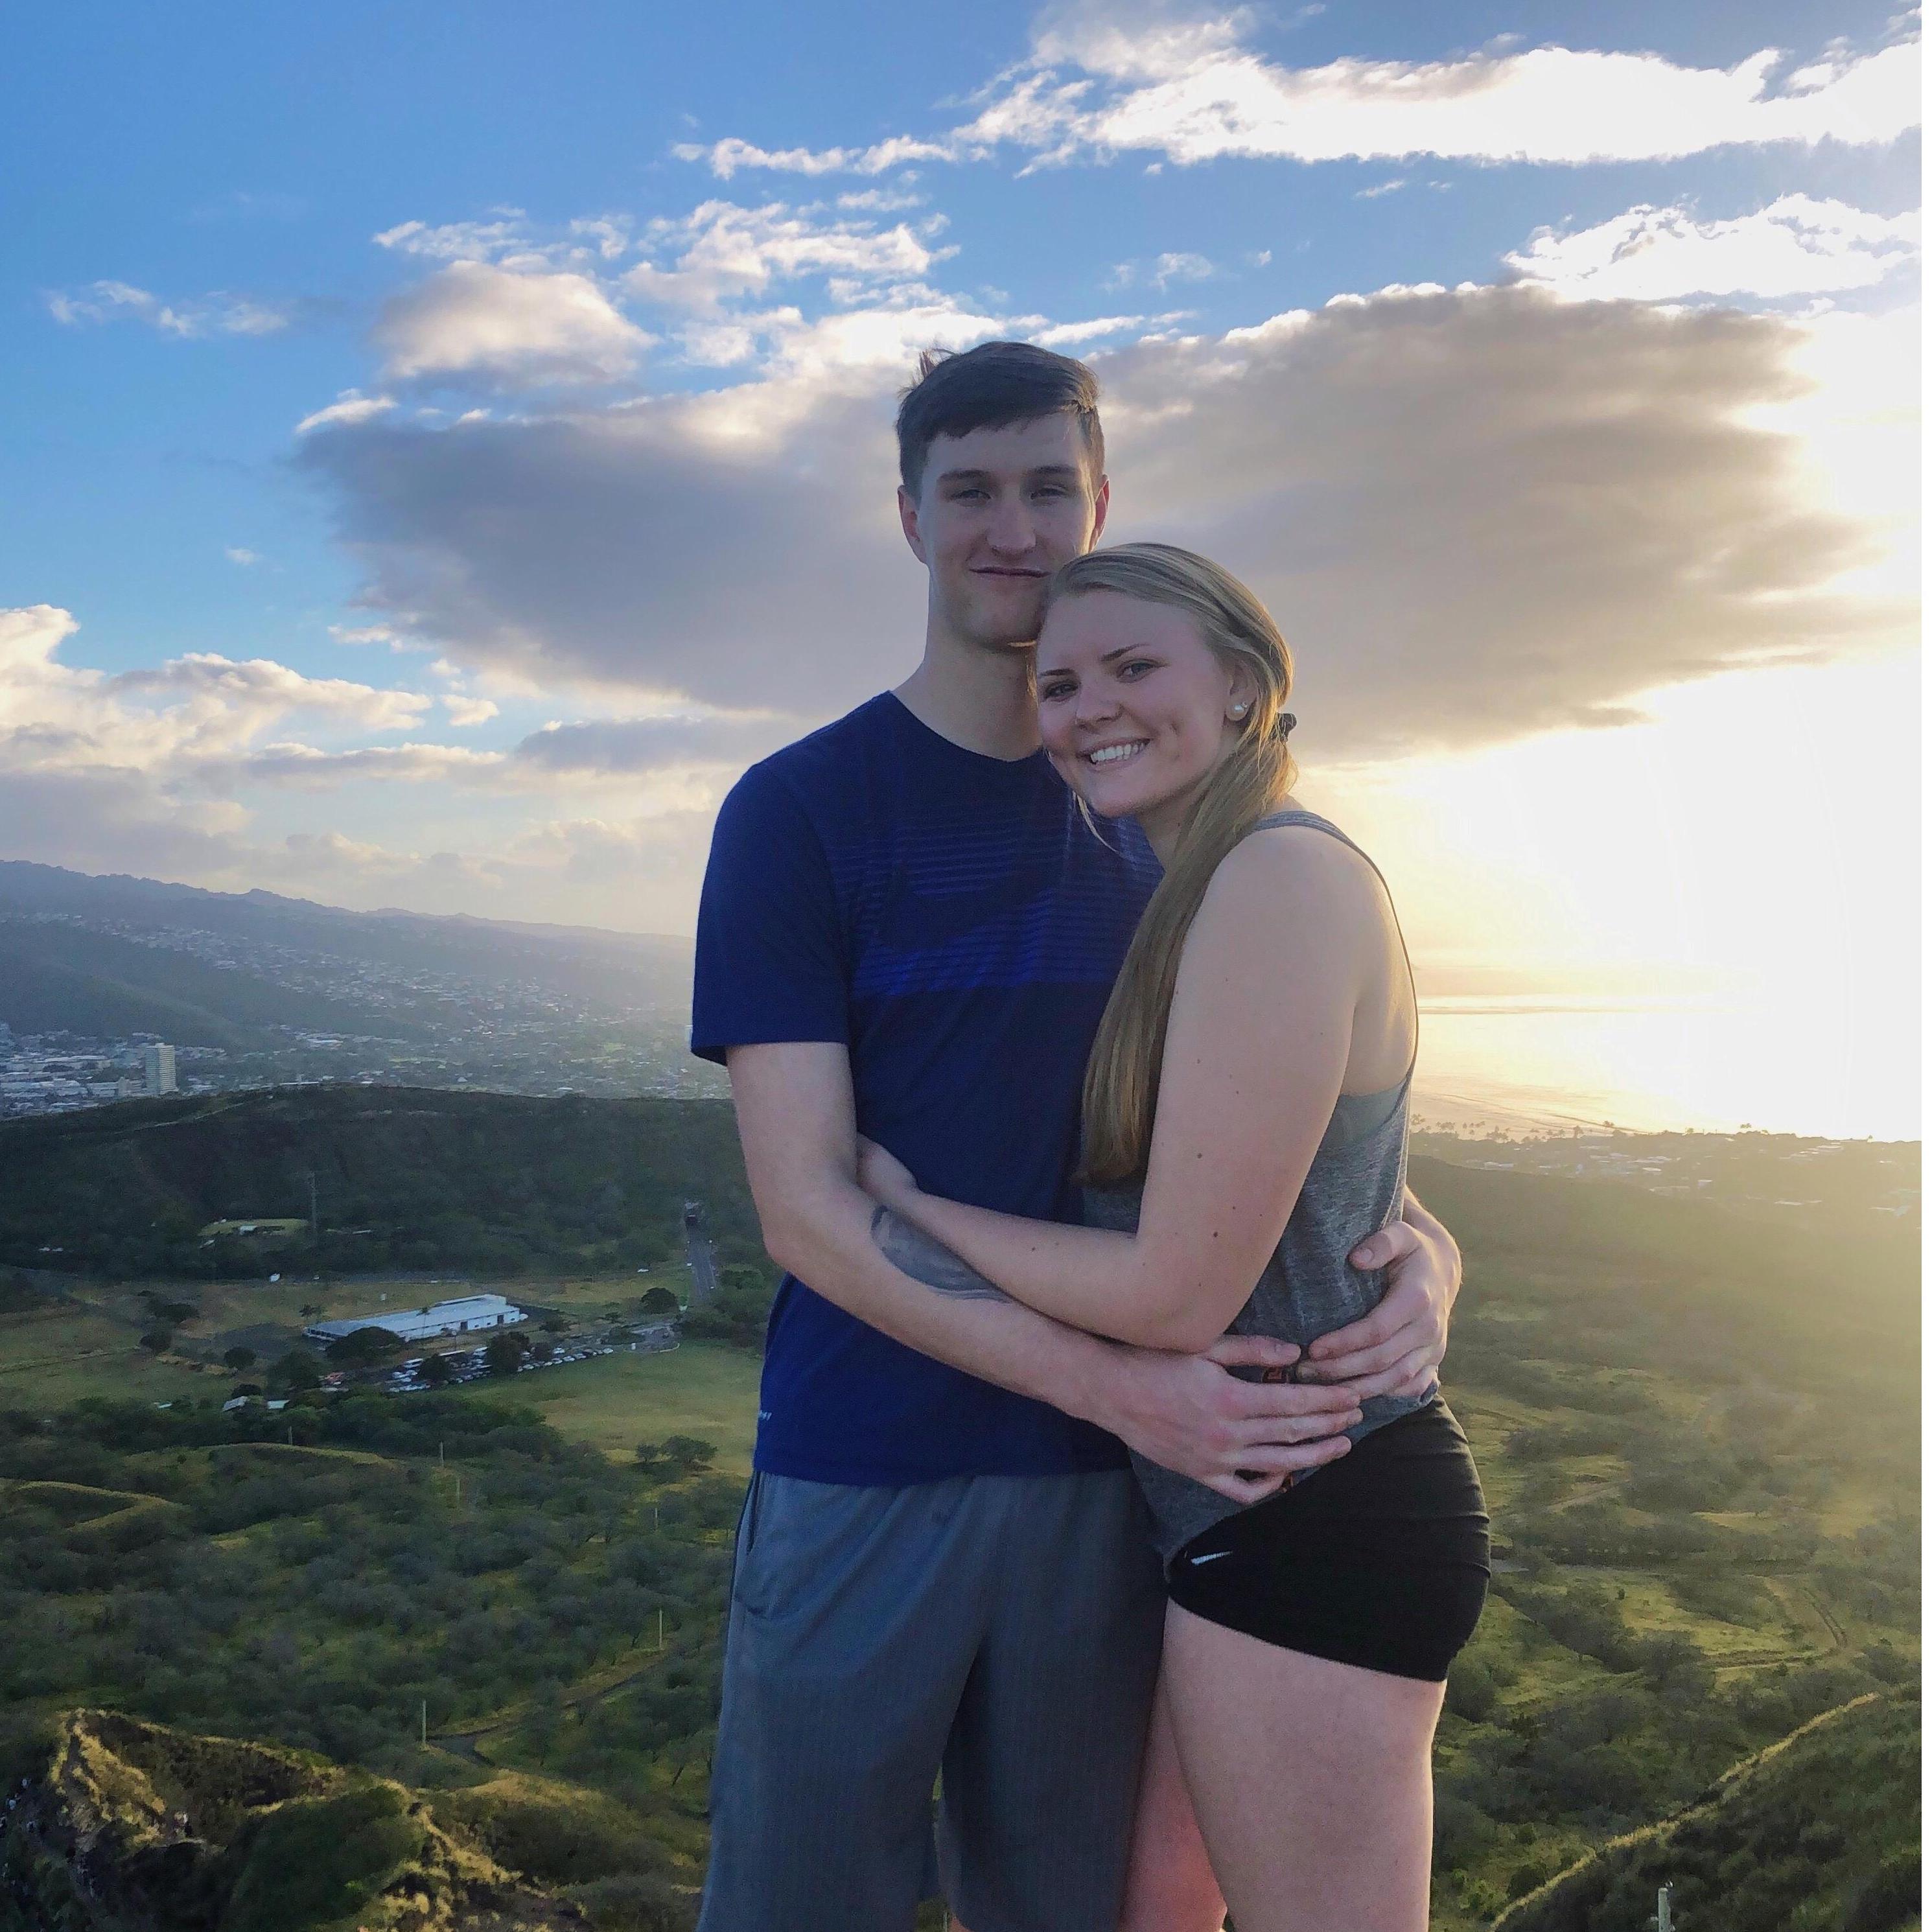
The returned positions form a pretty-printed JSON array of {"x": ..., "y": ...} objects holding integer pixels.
[
  {"x": 256, "y": 151},
  {"x": 447, "y": 443}
]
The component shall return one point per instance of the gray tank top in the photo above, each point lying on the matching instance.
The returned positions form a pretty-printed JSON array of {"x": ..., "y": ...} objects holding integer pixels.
[{"x": 1354, "y": 1187}]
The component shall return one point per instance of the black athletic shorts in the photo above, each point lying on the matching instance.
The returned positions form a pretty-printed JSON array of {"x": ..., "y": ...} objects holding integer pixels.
[{"x": 1381, "y": 1559}]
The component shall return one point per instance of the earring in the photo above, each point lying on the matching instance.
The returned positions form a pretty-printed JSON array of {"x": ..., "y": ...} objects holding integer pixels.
[{"x": 1237, "y": 711}]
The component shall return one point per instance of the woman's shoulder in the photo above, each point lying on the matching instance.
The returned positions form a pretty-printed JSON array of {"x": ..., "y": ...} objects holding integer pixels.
[{"x": 1299, "y": 848}]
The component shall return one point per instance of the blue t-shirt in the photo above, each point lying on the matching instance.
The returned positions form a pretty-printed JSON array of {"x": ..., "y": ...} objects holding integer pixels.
[{"x": 955, "y": 923}]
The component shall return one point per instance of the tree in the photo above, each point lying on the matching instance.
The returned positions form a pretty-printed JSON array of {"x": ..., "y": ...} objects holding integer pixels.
[
  {"x": 503, "y": 1353},
  {"x": 295, "y": 1371},
  {"x": 239, "y": 1359},
  {"x": 658, "y": 1300},
  {"x": 156, "y": 1341},
  {"x": 434, "y": 1372},
  {"x": 363, "y": 1347},
  {"x": 676, "y": 1457}
]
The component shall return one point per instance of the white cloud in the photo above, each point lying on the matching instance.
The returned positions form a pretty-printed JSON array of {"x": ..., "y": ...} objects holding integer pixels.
[
  {"x": 146, "y": 773},
  {"x": 1101, "y": 84},
  {"x": 455, "y": 241},
  {"x": 236, "y": 696},
  {"x": 218, "y": 313},
  {"x": 721, "y": 253},
  {"x": 1481, "y": 511},
  {"x": 1381, "y": 188},
  {"x": 296, "y": 764},
  {"x": 473, "y": 322},
  {"x": 235, "y": 554},
  {"x": 465, "y": 711},
  {"x": 1070, "y": 335},
  {"x": 350, "y": 406},
  {"x": 1796, "y": 246},
  {"x": 1180, "y": 267}
]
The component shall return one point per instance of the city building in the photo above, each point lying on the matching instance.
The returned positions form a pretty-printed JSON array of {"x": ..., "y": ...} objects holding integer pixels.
[
  {"x": 464, "y": 1317},
  {"x": 157, "y": 1062}
]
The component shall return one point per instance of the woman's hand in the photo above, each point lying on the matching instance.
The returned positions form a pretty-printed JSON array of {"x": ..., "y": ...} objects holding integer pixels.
[{"x": 882, "y": 1176}]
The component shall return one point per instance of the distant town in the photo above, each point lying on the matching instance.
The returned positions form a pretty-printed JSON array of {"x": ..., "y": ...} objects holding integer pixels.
[
  {"x": 55, "y": 1073},
  {"x": 528, "y": 1035},
  {"x": 1790, "y": 1175}
]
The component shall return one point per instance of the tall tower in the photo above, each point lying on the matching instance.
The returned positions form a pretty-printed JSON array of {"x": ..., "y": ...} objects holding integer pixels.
[{"x": 157, "y": 1062}]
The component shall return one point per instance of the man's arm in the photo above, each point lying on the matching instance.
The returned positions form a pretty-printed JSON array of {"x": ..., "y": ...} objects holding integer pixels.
[
  {"x": 796, "y": 1120},
  {"x": 1396, "y": 1348}
]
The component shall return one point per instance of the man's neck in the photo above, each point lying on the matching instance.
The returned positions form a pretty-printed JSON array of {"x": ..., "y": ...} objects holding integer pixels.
[{"x": 981, "y": 700}]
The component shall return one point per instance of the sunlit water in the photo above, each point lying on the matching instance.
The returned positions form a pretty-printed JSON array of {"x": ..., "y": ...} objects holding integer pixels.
[{"x": 1659, "y": 1067}]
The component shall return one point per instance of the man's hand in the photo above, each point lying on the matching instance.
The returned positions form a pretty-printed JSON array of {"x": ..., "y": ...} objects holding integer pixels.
[
  {"x": 1396, "y": 1348},
  {"x": 1243, "y": 1439}
]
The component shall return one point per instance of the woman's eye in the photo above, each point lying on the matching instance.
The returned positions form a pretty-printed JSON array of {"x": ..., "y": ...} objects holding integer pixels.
[
  {"x": 1134, "y": 666},
  {"x": 1050, "y": 693}
]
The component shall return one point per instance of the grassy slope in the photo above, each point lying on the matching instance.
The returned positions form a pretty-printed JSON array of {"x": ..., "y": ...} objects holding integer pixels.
[
  {"x": 397, "y": 1159},
  {"x": 700, "y": 1388},
  {"x": 1820, "y": 1831}
]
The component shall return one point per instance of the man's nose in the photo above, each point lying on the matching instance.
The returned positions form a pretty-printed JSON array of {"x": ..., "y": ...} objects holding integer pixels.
[{"x": 1011, "y": 531}]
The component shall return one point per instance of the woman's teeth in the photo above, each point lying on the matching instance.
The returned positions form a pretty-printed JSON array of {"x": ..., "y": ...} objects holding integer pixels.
[{"x": 1112, "y": 754}]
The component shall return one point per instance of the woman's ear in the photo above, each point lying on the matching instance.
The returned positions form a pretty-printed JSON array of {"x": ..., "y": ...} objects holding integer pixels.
[{"x": 1244, "y": 693}]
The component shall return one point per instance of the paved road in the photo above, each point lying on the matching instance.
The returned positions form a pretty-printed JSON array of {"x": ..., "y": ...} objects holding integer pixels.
[{"x": 703, "y": 1257}]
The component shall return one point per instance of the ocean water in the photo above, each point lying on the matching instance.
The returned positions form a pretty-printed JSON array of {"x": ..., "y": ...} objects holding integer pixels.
[{"x": 1663, "y": 1065}]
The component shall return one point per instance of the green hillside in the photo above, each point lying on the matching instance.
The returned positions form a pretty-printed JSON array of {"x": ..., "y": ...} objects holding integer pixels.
[
  {"x": 129, "y": 1824},
  {"x": 1820, "y": 1833},
  {"x": 1733, "y": 1293},
  {"x": 405, "y": 1178},
  {"x": 1697, "y": 1435},
  {"x": 55, "y": 977},
  {"x": 368, "y": 1663}
]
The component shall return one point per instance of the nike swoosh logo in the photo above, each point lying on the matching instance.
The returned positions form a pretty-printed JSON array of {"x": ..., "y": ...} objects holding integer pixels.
[{"x": 1211, "y": 1556}]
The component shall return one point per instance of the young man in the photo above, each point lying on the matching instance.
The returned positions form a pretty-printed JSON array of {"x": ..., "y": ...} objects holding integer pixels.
[{"x": 908, "y": 931}]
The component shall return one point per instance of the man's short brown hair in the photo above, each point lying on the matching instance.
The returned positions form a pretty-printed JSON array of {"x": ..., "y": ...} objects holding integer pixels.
[{"x": 989, "y": 388}]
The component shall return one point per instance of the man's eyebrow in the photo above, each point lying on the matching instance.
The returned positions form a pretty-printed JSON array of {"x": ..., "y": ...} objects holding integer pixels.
[{"x": 1056, "y": 471}]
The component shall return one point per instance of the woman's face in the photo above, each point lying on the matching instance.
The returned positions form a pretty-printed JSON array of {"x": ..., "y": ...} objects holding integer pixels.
[{"x": 1133, "y": 704}]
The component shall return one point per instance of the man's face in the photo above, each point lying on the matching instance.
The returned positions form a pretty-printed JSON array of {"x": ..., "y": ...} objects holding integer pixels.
[{"x": 998, "y": 511}]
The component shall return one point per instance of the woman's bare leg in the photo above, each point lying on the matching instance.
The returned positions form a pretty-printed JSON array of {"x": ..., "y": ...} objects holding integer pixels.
[
  {"x": 1170, "y": 1885},
  {"x": 1311, "y": 1780}
]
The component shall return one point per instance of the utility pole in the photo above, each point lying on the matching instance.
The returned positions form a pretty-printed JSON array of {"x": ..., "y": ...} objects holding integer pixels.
[
  {"x": 1663, "y": 1921},
  {"x": 660, "y": 1630},
  {"x": 314, "y": 1220}
]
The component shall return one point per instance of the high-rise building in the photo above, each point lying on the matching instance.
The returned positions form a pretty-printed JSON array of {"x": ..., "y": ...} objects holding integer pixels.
[{"x": 158, "y": 1063}]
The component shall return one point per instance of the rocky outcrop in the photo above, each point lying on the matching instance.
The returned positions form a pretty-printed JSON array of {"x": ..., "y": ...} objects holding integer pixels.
[{"x": 135, "y": 1827}]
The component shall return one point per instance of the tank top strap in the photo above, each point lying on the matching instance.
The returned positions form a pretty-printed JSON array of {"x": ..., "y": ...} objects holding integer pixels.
[{"x": 1296, "y": 815}]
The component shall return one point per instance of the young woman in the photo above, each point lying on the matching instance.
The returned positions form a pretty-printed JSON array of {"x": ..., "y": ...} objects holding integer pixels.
[{"x": 1246, "y": 1125}]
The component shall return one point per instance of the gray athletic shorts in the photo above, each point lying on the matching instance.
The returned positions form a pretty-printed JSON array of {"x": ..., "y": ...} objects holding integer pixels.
[{"x": 1000, "y": 1634}]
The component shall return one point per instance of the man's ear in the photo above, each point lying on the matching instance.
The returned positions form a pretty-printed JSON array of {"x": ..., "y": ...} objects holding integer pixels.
[
  {"x": 909, "y": 523},
  {"x": 1101, "y": 498}
]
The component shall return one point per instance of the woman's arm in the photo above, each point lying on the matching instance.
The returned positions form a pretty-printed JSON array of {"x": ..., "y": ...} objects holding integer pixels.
[{"x": 1258, "y": 1043}]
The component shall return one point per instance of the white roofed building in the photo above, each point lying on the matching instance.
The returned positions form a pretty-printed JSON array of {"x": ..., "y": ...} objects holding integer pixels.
[{"x": 472, "y": 1315}]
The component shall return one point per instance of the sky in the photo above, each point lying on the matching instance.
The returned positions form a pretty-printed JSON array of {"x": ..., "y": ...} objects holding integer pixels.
[{"x": 447, "y": 444}]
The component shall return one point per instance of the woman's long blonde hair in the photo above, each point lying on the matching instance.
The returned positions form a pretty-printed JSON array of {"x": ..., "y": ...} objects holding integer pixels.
[{"x": 1124, "y": 1070}]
